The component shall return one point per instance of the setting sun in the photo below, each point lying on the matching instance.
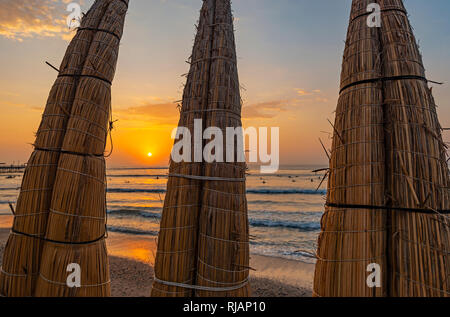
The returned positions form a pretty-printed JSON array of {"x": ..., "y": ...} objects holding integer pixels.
[{"x": 149, "y": 154}]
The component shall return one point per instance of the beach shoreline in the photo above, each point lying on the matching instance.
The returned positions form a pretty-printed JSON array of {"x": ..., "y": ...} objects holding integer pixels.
[{"x": 131, "y": 264}]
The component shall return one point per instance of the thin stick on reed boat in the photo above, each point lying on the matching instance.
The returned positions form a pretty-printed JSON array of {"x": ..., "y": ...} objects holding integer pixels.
[
  {"x": 76, "y": 228},
  {"x": 389, "y": 181},
  {"x": 203, "y": 247},
  {"x": 22, "y": 254}
]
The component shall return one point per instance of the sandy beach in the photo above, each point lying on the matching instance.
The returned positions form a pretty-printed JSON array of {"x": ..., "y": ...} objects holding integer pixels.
[{"x": 131, "y": 262}]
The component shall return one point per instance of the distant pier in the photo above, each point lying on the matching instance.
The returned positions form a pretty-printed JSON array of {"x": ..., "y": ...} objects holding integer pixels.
[{"x": 11, "y": 168}]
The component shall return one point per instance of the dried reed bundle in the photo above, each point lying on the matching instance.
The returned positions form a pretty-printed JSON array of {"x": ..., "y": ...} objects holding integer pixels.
[
  {"x": 94, "y": 268},
  {"x": 22, "y": 251},
  {"x": 353, "y": 238},
  {"x": 203, "y": 240},
  {"x": 417, "y": 170},
  {"x": 223, "y": 257},
  {"x": 76, "y": 228},
  {"x": 388, "y": 176},
  {"x": 177, "y": 248},
  {"x": 59, "y": 105},
  {"x": 78, "y": 201},
  {"x": 22, "y": 254}
]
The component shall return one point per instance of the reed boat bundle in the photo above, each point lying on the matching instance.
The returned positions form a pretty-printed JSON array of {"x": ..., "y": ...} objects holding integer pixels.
[
  {"x": 61, "y": 206},
  {"x": 203, "y": 247},
  {"x": 23, "y": 250},
  {"x": 76, "y": 228},
  {"x": 388, "y": 190}
]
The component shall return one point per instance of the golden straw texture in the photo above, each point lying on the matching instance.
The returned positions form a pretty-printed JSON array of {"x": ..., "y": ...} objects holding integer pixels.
[
  {"x": 387, "y": 152},
  {"x": 76, "y": 228},
  {"x": 351, "y": 239},
  {"x": 23, "y": 251},
  {"x": 203, "y": 240},
  {"x": 417, "y": 169}
]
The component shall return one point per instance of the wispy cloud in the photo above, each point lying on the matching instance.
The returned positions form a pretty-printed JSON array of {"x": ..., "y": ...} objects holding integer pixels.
[
  {"x": 161, "y": 113},
  {"x": 168, "y": 113},
  {"x": 279, "y": 106},
  {"x": 303, "y": 92},
  {"x": 265, "y": 110},
  {"x": 21, "y": 19},
  {"x": 308, "y": 96}
]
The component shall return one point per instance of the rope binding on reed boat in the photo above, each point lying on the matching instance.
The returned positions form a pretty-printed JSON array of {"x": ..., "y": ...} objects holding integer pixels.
[
  {"x": 67, "y": 152},
  {"x": 208, "y": 178},
  {"x": 99, "y": 30},
  {"x": 203, "y": 288},
  {"x": 80, "y": 75},
  {"x": 382, "y": 10},
  {"x": 16, "y": 274},
  {"x": 58, "y": 242},
  {"x": 86, "y": 76},
  {"x": 124, "y": 2},
  {"x": 389, "y": 78},
  {"x": 65, "y": 284},
  {"x": 416, "y": 210}
]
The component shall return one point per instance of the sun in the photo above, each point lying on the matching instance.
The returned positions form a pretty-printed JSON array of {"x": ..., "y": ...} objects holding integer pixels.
[{"x": 149, "y": 154}]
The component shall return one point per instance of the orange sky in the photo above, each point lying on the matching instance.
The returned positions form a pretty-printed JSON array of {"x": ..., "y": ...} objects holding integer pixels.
[{"x": 289, "y": 66}]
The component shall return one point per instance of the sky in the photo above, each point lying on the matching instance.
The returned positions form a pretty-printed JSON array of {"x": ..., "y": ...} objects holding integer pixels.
[{"x": 289, "y": 61}]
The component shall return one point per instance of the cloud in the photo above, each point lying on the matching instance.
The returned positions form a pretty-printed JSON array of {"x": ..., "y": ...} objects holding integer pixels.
[
  {"x": 21, "y": 19},
  {"x": 161, "y": 113},
  {"x": 265, "y": 110},
  {"x": 9, "y": 94},
  {"x": 168, "y": 113},
  {"x": 271, "y": 109},
  {"x": 302, "y": 92},
  {"x": 155, "y": 110},
  {"x": 308, "y": 96},
  {"x": 14, "y": 104}
]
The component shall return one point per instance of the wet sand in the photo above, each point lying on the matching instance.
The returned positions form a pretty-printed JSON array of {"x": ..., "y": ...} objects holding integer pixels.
[{"x": 132, "y": 257}]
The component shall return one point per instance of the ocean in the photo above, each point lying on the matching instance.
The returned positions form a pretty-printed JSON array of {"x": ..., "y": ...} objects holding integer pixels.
[{"x": 284, "y": 208}]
